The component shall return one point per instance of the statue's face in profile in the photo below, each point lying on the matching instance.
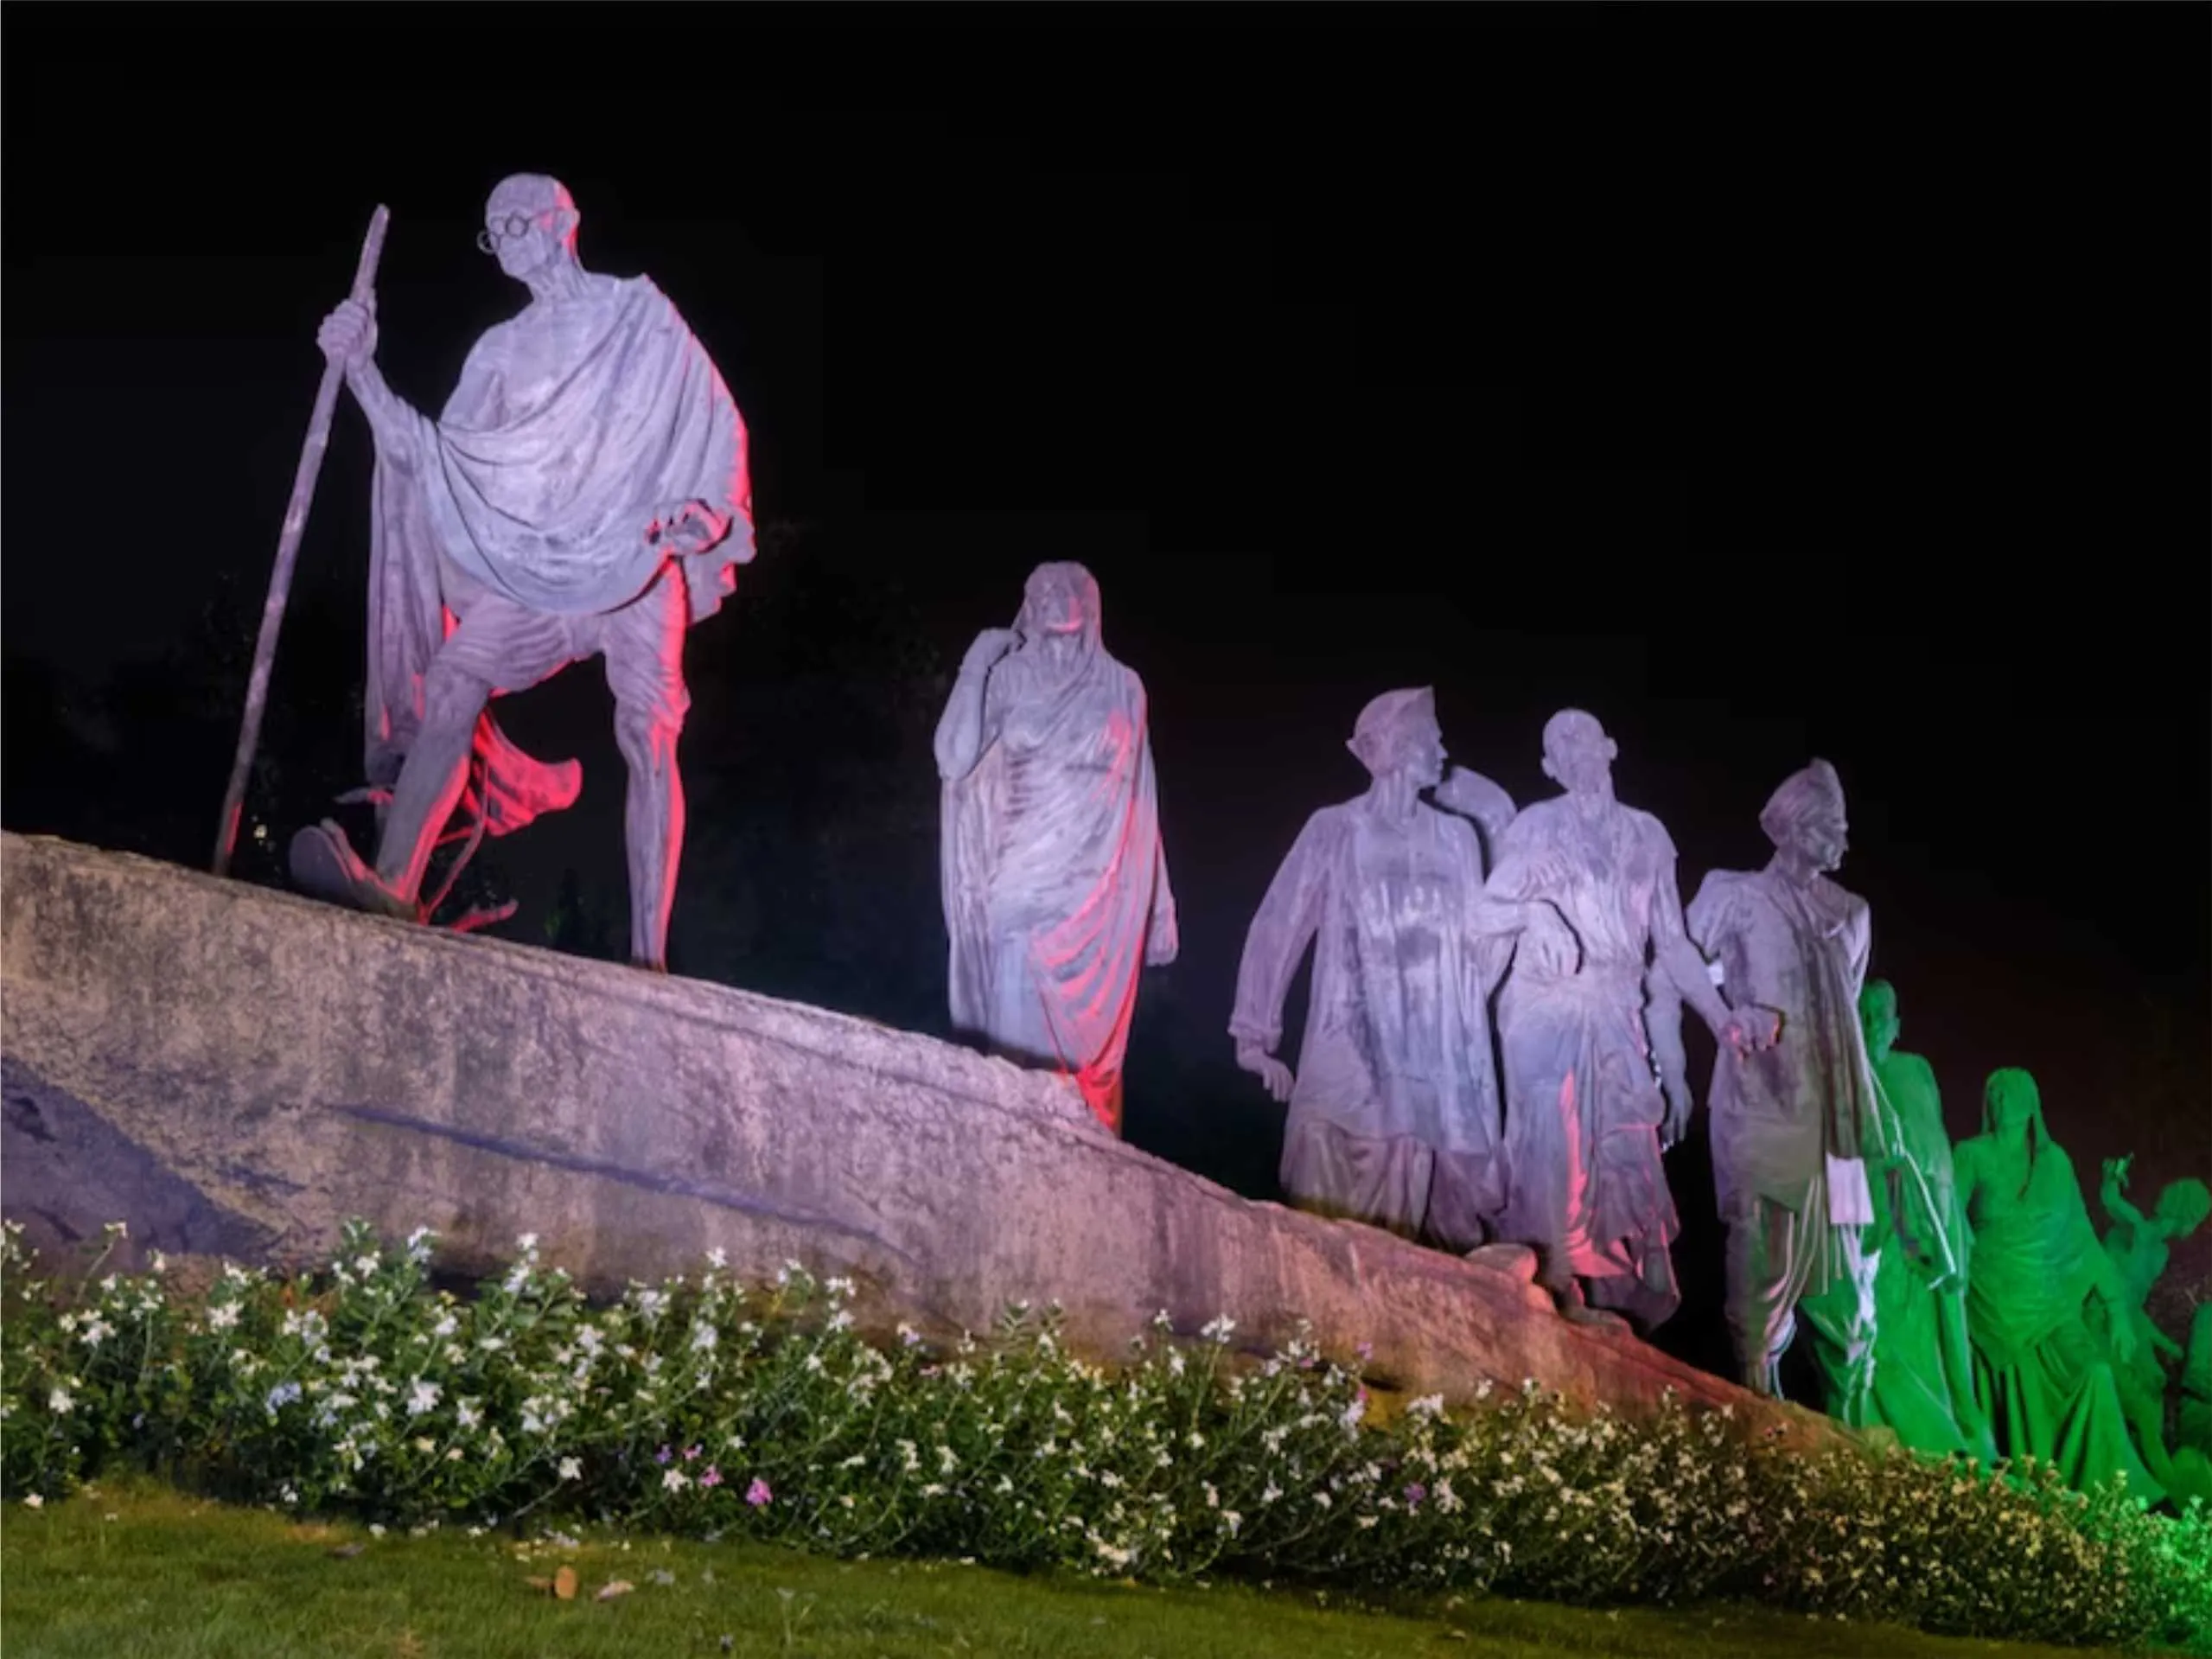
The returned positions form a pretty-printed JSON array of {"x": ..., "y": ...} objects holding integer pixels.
[
  {"x": 1879, "y": 1016},
  {"x": 1423, "y": 753},
  {"x": 1822, "y": 838}
]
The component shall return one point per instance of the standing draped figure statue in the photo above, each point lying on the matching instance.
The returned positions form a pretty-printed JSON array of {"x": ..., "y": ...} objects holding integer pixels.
[
  {"x": 1792, "y": 1127},
  {"x": 1393, "y": 1109},
  {"x": 1923, "y": 1363},
  {"x": 2046, "y": 1379},
  {"x": 1054, "y": 883}
]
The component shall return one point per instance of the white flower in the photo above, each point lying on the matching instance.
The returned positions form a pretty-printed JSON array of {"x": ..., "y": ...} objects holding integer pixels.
[
  {"x": 467, "y": 1414},
  {"x": 223, "y": 1316},
  {"x": 445, "y": 1326},
  {"x": 454, "y": 1456},
  {"x": 908, "y": 1336},
  {"x": 526, "y": 1243},
  {"x": 365, "y": 1266},
  {"x": 675, "y": 1480},
  {"x": 157, "y": 1262},
  {"x": 717, "y": 1257},
  {"x": 376, "y": 1530},
  {"x": 423, "y": 1397},
  {"x": 704, "y": 1338},
  {"x": 59, "y": 1403},
  {"x": 425, "y": 1444},
  {"x": 839, "y": 1287},
  {"x": 1356, "y": 1410},
  {"x": 33, "y": 1501},
  {"x": 571, "y": 1470},
  {"x": 1174, "y": 1361},
  {"x": 1429, "y": 1405},
  {"x": 841, "y": 1320},
  {"x": 1218, "y": 1330},
  {"x": 1272, "y": 1492},
  {"x": 94, "y": 1331},
  {"x": 1321, "y": 1500}
]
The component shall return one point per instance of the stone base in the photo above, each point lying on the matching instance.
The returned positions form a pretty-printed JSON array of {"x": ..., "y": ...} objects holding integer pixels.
[{"x": 238, "y": 1071}]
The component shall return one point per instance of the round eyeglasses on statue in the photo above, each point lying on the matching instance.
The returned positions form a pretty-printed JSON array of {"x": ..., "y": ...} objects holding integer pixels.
[{"x": 515, "y": 225}]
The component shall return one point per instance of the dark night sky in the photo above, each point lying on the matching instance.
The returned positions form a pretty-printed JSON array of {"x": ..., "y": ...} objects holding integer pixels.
[{"x": 1771, "y": 381}]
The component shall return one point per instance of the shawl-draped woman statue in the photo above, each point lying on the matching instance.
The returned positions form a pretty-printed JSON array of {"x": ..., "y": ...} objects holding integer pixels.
[
  {"x": 2045, "y": 1380},
  {"x": 1054, "y": 883}
]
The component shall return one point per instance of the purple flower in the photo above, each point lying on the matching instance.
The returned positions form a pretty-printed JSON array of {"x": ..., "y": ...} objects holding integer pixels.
[
  {"x": 712, "y": 1477},
  {"x": 691, "y": 1454},
  {"x": 757, "y": 1494},
  {"x": 1366, "y": 1351},
  {"x": 661, "y": 1456},
  {"x": 1414, "y": 1494}
]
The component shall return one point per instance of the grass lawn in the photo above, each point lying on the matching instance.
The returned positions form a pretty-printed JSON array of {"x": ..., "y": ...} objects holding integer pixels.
[{"x": 127, "y": 1569}]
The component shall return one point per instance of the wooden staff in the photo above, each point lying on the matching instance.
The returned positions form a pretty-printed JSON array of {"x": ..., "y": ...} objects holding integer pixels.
[{"x": 288, "y": 548}]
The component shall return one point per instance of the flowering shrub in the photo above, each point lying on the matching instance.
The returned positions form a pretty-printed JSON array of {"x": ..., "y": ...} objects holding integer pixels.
[{"x": 701, "y": 1405}]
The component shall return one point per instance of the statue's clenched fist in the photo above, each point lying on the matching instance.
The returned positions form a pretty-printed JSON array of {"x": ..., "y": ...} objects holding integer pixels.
[{"x": 348, "y": 335}]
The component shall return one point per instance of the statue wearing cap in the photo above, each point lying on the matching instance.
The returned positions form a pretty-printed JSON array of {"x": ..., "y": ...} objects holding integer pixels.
[
  {"x": 1393, "y": 1109},
  {"x": 1793, "y": 1125}
]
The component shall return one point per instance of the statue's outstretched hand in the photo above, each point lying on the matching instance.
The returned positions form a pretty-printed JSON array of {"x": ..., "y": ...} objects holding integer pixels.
[
  {"x": 1266, "y": 1067},
  {"x": 1749, "y": 1031},
  {"x": 348, "y": 335},
  {"x": 686, "y": 527},
  {"x": 1162, "y": 940},
  {"x": 2116, "y": 1171},
  {"x": 1676, "y": 1123}
]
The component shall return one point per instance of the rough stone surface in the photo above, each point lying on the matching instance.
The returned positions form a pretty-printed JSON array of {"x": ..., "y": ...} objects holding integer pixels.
[{"x": 236, "y": 1070}]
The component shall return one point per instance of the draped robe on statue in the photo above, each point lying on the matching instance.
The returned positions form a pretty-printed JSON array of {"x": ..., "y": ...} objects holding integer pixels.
[
  {"x": 1923, "y": 1361},
  {"x": 1788, "y": 1123},
  {"x": 1586, "y": 1183},
  {"x": 2041, "y": 1375},
  {"x": 1053, "y": 871},
  {"x": 574, "y": 424},
  {"x": 1394, "y": 1115}
]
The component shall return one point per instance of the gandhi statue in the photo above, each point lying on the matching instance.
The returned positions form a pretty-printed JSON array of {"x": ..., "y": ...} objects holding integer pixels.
[{"x": 584, "y": 492}]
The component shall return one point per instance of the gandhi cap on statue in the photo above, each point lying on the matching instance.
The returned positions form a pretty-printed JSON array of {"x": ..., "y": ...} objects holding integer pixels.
[
  {"x": 1389, "y": 724},
  {"x": 1803, "y": 796}
]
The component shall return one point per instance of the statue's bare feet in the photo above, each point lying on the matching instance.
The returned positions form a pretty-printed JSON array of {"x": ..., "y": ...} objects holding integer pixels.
[{"x": 323, "y": 863}]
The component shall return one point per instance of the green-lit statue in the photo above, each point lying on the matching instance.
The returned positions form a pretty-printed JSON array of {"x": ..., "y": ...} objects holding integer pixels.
[
  {"x": 1923, "y": 1362},
  {"x": 2044, "y": 1378},
  {"x": 2140, "y": 1247},
  {"x": 2193, "y": 1414}
]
